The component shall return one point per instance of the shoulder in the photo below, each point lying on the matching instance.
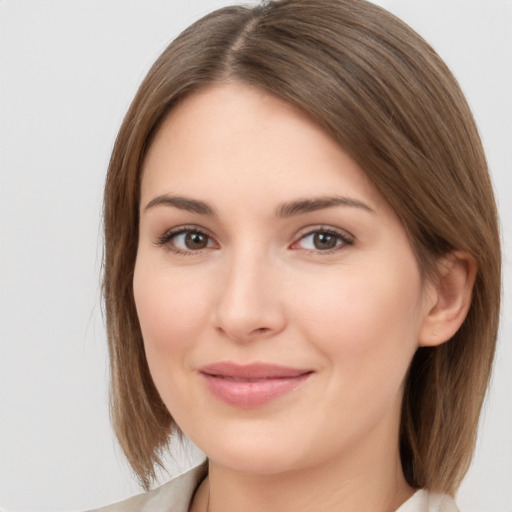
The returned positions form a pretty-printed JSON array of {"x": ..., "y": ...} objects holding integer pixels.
[
  {"x": 174, "y": 496},
  {"x": 426, "y": 501}
]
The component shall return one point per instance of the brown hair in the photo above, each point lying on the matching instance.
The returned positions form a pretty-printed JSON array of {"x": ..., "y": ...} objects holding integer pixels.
[{"x": 384, "y": 94}]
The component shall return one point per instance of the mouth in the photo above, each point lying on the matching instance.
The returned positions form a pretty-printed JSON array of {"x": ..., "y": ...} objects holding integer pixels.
[{"x": 251, "y": 385}]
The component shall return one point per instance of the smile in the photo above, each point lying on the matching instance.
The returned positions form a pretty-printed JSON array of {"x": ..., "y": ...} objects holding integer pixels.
[{"x": 251, "y": 385}]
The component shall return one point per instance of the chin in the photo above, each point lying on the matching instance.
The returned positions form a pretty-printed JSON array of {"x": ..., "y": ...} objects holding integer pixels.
[
  {"x": 256, "y": 464},
  {"x": 266, "y": 456},
  {"x": 262, "y": 458}
]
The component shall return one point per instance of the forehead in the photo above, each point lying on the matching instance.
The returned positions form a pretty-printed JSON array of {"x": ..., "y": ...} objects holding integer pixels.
[{"x": 239, "y": 139}]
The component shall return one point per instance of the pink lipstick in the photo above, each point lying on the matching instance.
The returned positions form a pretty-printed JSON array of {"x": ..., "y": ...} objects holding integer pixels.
[{"x": 251, "y": 385}]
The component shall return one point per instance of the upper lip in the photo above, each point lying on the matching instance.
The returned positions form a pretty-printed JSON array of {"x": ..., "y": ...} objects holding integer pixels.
[{"x": 228, "y": 369}]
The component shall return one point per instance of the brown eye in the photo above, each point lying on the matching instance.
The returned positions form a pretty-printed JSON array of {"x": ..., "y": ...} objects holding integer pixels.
[
  {"x": 324, "y": 241},
  {"x": 186, "y": 241},
  {"x": 195, "y": 241}
]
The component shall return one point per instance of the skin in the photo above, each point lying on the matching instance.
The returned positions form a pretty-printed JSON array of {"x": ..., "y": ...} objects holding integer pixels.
[{"x": 260, "y": 290}]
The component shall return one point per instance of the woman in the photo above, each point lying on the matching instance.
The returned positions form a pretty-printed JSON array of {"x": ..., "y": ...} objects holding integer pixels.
[{"x": 302, "y": 265}]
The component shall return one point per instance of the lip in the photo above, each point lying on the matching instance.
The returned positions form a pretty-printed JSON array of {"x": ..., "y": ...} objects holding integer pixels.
[{"x": 251, "y": 385}]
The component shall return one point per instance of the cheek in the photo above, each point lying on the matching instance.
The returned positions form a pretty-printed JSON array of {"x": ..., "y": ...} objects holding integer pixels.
[
  {"x": 172, "y": 312},
  {"x": 171, "y": 309},
  {"x": 365, "y": 322}
]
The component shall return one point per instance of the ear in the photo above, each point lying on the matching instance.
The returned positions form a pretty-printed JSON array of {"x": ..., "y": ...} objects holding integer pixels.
[{"x": 448, "y": 298}]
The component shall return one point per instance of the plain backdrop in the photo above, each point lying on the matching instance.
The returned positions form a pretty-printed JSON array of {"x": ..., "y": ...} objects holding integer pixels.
[{"x": 69, "y": 69}]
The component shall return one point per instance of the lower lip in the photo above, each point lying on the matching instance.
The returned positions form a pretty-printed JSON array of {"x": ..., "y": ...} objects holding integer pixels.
[{"x": 252, "y": 393}]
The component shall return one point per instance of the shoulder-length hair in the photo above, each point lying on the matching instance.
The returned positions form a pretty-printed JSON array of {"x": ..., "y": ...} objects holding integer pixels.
[{"x": 389, "y": 100}]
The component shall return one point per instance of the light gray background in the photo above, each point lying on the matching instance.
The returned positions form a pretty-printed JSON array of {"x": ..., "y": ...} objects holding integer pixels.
[{"x": 69, "y": 69}]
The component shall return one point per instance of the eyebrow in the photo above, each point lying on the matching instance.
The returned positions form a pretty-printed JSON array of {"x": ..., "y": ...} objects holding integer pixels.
[
  {"x": 182, "y": 203},
  {"x": 285, "y": 210},
  {"x": 308, "y": 205}
]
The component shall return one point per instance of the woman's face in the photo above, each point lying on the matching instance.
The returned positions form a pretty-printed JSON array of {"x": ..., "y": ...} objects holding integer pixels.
[{"x": 279, "y": 298}]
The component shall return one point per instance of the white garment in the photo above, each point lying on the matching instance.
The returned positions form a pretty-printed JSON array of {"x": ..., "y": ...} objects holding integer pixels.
[
  {"x": 425, "y": 501},
  {"x": 176, "y": 496}
]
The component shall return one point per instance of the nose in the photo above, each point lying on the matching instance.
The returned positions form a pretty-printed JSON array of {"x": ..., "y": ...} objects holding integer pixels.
[{"x": 250, "y": 304}]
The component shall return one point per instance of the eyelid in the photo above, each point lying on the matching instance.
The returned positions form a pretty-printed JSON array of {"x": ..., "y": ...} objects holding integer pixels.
[
  {"x": 168, "y": 235},
  {"x": 165, "y": 239},
  {"x": 345, "y": 237}
]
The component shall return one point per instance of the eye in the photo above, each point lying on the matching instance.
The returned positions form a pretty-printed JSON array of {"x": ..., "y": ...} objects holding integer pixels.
[
  {"x": 323, "y": 240},
  {"x": 186, "y": 240},
  {"x": 191, "y": 240}
]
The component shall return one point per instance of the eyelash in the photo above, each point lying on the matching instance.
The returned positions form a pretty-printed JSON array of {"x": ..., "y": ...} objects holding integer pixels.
[
  {"x": 344, "y": 238},
  {"x": 168, "y": 236}
]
